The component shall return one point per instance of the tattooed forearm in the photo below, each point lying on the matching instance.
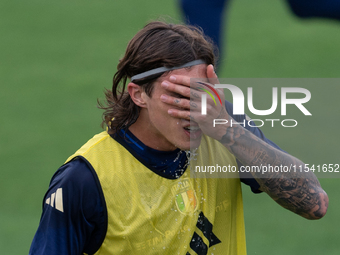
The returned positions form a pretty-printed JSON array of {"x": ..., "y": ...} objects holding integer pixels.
[{"x": 299, "y": 192}]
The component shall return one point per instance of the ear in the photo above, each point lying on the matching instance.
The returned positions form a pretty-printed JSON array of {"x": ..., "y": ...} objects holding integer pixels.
[{"x": 137, "y": 94}]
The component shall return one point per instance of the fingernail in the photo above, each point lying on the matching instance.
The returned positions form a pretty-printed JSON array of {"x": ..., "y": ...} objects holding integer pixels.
[
  {"x": 165, "y": 84},
  {"x": 172, "y": 78},
  {"x": 164, "y": 98},
  {"x": 170, "y": 112}
]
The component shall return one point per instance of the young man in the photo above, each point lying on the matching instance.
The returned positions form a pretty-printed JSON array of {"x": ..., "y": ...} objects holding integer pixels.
[{"x": 129, "y": 189}]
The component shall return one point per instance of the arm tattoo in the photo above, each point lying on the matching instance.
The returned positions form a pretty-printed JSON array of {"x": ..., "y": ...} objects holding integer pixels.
[{"x": 299, "y": 192}]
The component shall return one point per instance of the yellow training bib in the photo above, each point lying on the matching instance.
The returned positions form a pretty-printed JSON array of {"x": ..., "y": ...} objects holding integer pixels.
[{"x": 150, "y": 214}]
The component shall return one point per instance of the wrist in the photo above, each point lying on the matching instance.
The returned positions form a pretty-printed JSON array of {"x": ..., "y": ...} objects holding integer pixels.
[{"x": 222, "y": 127}]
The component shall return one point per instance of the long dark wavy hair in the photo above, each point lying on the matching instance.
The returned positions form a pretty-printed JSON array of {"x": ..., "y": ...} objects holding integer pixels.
[{"x": 158, "y": 44}]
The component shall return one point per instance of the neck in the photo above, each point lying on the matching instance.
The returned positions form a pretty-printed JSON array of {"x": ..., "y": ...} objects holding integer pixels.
[{"x": 149, "y": 137}]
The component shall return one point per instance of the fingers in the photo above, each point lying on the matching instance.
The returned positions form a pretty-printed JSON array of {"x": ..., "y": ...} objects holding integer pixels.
[
  {"x": 186, "y": 93},
  {"x": 179, "y": 114},
  {"x": 179, "y": 79},
  {"x": 211, "y": 72},
  {"x": 180, "y": 84},
  {"x": 182, "y": 103},
  {"x": 184, "y": 97},
  {"x": 213, "y": 79},
  {"x": 177, "y": 88}
]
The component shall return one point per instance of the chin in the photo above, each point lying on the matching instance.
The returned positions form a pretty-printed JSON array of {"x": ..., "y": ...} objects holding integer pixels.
[{"x": 193, "y": 144}]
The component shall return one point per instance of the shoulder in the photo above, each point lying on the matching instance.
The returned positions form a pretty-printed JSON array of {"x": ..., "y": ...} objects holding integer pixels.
[
  {"x": 79, "y": 185},
  {"x": 76, "y": 172},
  {"x": 74, "y": 212}
]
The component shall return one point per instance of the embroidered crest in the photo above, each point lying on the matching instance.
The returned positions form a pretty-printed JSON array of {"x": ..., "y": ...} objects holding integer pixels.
[{"x": 185, "y": 196}]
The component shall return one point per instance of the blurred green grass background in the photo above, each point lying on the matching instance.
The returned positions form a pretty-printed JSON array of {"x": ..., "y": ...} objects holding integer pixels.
[{"x": 58, "y": 56}]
